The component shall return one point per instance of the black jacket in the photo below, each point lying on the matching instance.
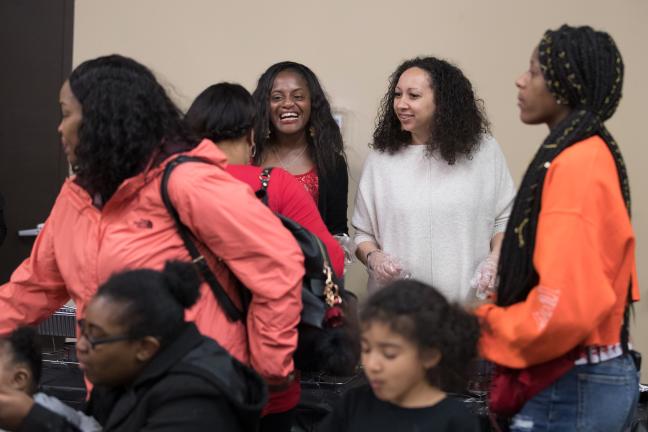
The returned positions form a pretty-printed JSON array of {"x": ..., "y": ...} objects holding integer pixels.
[
  {"x": 332, "y": 203},
  {"x": 191, "y": 385}
]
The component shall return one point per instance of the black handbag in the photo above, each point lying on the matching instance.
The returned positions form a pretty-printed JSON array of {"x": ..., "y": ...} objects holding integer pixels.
[{"x": 328, "y": 333}]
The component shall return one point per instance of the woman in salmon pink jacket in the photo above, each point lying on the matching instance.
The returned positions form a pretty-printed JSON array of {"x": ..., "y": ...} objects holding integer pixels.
[{"x": 119, "y": 129}]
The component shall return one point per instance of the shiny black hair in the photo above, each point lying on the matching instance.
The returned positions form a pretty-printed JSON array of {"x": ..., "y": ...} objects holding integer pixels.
[{"x": 222, "y": 111}]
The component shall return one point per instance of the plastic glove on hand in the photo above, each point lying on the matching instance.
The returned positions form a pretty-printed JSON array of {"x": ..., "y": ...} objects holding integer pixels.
[
  {"x": 349, "y": 247},
  {"x": 384, "y": 267},
  {"x": 483, "y": 282}
]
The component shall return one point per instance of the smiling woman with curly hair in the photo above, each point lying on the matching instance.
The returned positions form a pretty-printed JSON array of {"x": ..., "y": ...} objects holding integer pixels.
[
  {"x": 435, "y": 194},
  {"x": 295, "y": 130}
]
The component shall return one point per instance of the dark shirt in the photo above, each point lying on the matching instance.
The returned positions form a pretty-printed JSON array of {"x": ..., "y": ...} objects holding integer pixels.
[
  {"x": 360, "y": 411},
  {"x": 332, "y": 202}
]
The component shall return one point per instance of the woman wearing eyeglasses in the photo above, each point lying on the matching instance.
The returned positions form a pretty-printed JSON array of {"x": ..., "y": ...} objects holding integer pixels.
[{"x": 150, "y": 368}]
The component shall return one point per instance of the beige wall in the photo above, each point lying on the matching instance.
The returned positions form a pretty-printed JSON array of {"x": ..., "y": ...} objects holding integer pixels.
[{"x": 353, "y": 46}]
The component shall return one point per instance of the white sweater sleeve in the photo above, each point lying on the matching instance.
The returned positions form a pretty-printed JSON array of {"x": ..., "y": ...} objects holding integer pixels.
[{"x": 364, "y": 213}]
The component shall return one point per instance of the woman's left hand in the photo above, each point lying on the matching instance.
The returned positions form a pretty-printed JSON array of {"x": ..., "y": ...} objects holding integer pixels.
[{"x": 14, "y": 407}]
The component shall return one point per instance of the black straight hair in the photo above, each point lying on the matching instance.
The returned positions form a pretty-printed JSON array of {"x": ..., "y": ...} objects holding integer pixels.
[{"x": 222, "y": 111}]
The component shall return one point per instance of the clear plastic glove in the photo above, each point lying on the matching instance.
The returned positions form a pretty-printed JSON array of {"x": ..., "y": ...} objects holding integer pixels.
[
  {"x": 349, "y": 247},
  {"x": 483, "y": 282},
  {"x": 385, "y": 268}
]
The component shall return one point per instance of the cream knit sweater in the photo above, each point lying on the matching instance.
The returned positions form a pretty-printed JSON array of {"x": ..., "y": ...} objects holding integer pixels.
[{"x": 438, "y": 219}]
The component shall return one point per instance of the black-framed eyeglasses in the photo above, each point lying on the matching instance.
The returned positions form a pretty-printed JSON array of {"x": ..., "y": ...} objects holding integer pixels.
[{"x": 99, "y": 341}]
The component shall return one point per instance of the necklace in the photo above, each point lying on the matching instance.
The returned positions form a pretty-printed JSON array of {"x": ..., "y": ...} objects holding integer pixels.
[{"x": 285, "y": 165}]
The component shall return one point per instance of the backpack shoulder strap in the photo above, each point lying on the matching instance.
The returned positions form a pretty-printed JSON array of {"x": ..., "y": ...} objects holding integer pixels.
[
  {"x": 264, "y": 177},
  {"x": 230, "y": 309}
]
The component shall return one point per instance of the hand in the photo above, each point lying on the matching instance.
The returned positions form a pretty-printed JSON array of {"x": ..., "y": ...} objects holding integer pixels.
[
  {"x": 483, "y": 282},
  {"x": 14, "y": 407},
  {"x": 384, "y": 267},
  {"x": 348, "y": 246}
]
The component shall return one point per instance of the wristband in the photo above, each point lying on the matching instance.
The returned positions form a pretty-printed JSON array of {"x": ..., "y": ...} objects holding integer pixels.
[{"x": 369, "y": 254}]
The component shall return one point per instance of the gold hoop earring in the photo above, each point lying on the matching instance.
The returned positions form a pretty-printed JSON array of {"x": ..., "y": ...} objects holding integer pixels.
[
  {"x": 253, "y": 150},
  {"x": 311, "y": 130}
]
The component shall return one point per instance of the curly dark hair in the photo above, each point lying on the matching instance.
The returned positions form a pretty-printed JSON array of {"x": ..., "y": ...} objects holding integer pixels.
[
  {"x": 326, "y": 146},
  {"x": 174, "y": 289},
  {"x": 459, "y": 119},
  {"x": 126, "y": 118},
  {"x": 422, "y": 314},
  {"x": 24, "y": 348},
  {"x": 583, "y": 69},
  {"x": 222, "y": 111}
]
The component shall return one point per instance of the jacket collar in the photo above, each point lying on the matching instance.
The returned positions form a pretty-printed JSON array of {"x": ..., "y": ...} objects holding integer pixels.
[
  {"x": 206, "y": 150},
  {"x": 163, "y": 361}
]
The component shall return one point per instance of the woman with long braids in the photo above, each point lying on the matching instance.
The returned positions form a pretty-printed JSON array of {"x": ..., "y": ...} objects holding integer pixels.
[
  {"x": 435, "y": 193},
  {"x": 567, "y": 270},
  {"x": 295, "y": 131}
]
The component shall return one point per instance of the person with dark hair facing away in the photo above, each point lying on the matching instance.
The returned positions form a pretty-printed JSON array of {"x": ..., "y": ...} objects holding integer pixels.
[
  {"x": 20, "y": 372},
  {"x": 435, "y": 192},
  {"x": 295, "y": 130},
  {"x": 224, "y": 113},
  {"x": 567, "y": 270},
  {"x": 120, "y": 130},
  {"x": 151, "y": 369},
  {"x": 415, "y": 347}
]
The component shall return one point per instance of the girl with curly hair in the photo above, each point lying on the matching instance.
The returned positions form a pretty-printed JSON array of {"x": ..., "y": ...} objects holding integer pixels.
[
  {"x": 435, "y": 192},
  {"x": 295, "y": 130},
  {"x": 416, "y": 346},
  {"x": 567, "y": 269},
  {"x": 120, "y": 130}
]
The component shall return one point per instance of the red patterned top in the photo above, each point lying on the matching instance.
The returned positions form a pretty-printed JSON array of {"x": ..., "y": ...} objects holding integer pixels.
[{"x": 310, "y": 180}]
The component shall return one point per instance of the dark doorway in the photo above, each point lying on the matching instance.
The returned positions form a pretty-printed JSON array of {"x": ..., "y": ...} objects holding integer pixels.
[{"x": 36, "y": 48}]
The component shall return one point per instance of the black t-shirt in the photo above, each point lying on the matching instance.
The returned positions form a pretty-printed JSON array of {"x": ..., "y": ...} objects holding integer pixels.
[{"x": 360, "y": 411}]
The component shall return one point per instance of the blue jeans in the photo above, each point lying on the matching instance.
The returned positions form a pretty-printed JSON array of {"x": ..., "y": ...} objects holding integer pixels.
[{"x": 597, "y": 397}]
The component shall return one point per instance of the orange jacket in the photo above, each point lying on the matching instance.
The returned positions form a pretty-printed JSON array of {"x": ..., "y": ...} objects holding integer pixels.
[
  {"x": 80, "y": 246},
  {"x": 585, "y": 257}
]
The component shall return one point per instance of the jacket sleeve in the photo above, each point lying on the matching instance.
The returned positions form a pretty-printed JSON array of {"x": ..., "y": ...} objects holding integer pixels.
[
  {"x": 295, "y": 203},
  {"x": 40, "y": 419},
  {"x": 191, "y": 414},
  {"x": 337, "y": 190},
  {"x": 224, "y": 215},
  {"x": 505, "y": 190},
  {"x": 36, "y": 288},
  {"x": 364, "y": 214},
  {"x": 575, "y": 292}
]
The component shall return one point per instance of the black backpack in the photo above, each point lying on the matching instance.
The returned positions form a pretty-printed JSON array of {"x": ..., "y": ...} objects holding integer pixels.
[{"x": 328, "y": 340}]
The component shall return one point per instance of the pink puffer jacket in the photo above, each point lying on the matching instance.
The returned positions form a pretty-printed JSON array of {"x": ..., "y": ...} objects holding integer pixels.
[{"x": 80, "y": 246}]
